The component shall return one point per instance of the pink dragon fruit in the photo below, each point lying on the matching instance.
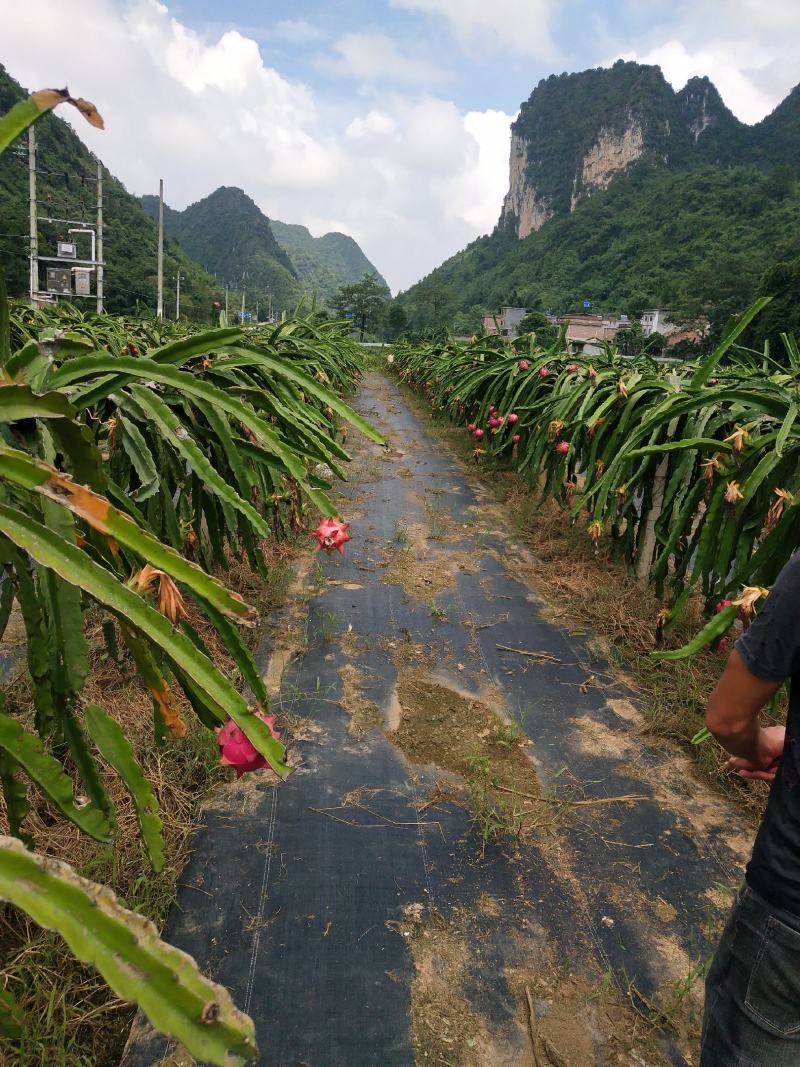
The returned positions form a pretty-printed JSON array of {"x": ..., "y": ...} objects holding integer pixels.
[
  {"x": 331, "y": 533},
  {"x": 236, "y": 748}
]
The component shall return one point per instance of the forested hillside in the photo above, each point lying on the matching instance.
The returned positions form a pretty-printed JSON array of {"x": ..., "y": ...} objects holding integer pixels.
[
  {"x": 229, "y": 235},
  {"x": 697, "y": 241},
  {"x": 628, "y": 194},
  {"x": 323, "y": 264},
  {"x": 66, "y": 190}
]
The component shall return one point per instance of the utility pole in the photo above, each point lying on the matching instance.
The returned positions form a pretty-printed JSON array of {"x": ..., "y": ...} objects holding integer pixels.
[
  {"x": 256, "y": 311},
  {"x": 226, "y": 304},
  {"x": 160, "y": 284},
  {"x": 99, "y": 248},
  {"x": 178, "y": 296},
  {"x": 243, "y": 295},
  {"x": 34, "y": 253}
]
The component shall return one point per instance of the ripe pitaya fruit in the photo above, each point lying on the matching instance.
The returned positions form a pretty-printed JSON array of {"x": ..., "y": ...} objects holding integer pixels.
[
  {"x": 236, "y": 748},
  {"x": 523, "y": 364},
  {"x": 722, "y": 604},
  {"x": 515, "y": 439},
  {"x": 512, "y": 418},
  {"x": 572, "y": 367},
  {"x": 543, "y": 372},
  {"x": 331, "y": 533},
  {"x": 478, "y": 433},
  {"x": 561, "y": 448},
  {"x": 471, "y": 427}
]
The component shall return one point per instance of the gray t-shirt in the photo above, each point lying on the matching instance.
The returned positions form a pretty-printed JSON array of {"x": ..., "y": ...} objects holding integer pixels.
[{"x": 770, "y": 649}]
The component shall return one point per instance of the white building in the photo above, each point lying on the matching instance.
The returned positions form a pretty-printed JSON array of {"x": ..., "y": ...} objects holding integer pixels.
[
  {"x": 655, "y": 321},
  {"x": 506, "y": 323}
]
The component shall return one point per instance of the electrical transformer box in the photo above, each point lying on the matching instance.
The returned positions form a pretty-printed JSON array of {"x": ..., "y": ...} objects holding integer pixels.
[
  {"x": 83, "y": 285},
  {"x": 67, "y": 250},
  {"x": 59, "y": 281}
]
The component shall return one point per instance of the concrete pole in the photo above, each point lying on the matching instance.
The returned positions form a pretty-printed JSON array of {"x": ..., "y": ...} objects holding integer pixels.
[
  {"x": 178, "y": 297},
  {"x": 99, "y": 251},
  {"x": 160, "y": 283},
  {"x": 243, "y": 295},
  {"x": 33, "y": 210}
]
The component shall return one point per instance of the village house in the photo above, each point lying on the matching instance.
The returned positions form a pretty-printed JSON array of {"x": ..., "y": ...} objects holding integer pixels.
[
  {"x": 587, "y": 333},
  {"x": 506, "y": 322},
  {"x": 655, "y": 320}
]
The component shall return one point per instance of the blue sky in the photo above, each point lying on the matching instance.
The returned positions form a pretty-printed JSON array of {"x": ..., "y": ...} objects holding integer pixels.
[{"x": 388, "y": 120}]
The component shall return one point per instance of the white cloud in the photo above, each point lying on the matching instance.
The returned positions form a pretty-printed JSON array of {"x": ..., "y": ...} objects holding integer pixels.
[
  {"x": 298, "y": 31},
  {"x": 412, "y": 178},
  {"x": 374, "y": 57},
  {"x": 522, "y": 26},
  {"x": 748, "y": 48},
  {"x": 736, "y": 85}
]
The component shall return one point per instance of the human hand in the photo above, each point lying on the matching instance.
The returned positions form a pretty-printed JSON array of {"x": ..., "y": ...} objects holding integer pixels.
[{"x": 771, "y": 741}]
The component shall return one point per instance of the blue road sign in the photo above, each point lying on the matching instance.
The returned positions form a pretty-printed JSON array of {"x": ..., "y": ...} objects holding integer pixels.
[
  {"x": 587, "y": 304},
  {"x": 348, "y": 314}
]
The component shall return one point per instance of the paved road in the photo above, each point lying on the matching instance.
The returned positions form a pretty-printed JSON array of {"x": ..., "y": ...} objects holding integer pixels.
[{"x": 352, "y": 910}]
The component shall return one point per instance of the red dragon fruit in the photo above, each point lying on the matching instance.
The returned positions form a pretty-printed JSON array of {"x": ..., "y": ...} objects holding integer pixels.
[
  {"x": 478, "y": 433},
  {"x": 331, "y": 533},
  {"x": 561, "y": 448},
  {"x": 513, "y": 417},
  {"x": 471, "y": 427},
  {"x": 722, "y": 604},
  {"x": 236, "y": 748},
  {"x": 515, "y": 439},
  {"x": 523, "y": 364},
  {"x": 543, "y": 372},
  {"x": 572, "y": 367}
]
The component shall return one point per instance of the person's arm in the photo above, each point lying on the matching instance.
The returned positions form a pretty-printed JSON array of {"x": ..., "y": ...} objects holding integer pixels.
[
  {"x": 732, "y": 717},
  {"x": 765, "y": 656}
]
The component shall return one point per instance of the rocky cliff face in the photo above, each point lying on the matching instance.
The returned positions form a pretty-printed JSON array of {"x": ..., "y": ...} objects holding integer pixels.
[
  {"x": 612, "y": 153},
  {"x": 523, "y": 207},
  {"x": 578, "y": 132}
]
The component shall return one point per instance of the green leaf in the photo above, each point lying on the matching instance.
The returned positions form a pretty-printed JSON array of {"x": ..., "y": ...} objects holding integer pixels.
[
  {"x": 28, "y": 750},
  {"x": 283, "y": 368},
  {"x": 100, "y": 514},
  {"x": 141, "y": 459},
  {"x": 188, "y": 384},
  {"x": 127, "y": 951},
  {"x": 87, "y": 768},
  {"x": 20, "y": 402},
  {"x": 15, "y": 795},
  {"x": 713, "y": 629},
  {"x": 174, "y": 432},
  {"x": 733, "y": 330},
  {"x": 117, "y": 751},
  {"x": 787, "y": 426},
  {"x": 75, "y": 566},
  {"x": 24, "y": 113}
]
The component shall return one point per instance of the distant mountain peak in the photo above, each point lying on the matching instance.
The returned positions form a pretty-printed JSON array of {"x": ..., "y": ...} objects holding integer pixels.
[
  {"x": 274, "y": 261},
  {"x": 578, "y": 132}
]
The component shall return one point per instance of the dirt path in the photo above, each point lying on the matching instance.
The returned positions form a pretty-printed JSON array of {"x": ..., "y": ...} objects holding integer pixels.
[{"x": 446, "y": 880}]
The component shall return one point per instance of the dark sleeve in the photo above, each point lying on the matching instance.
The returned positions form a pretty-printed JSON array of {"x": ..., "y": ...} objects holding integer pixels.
[{"x": 770, "y": 648}]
